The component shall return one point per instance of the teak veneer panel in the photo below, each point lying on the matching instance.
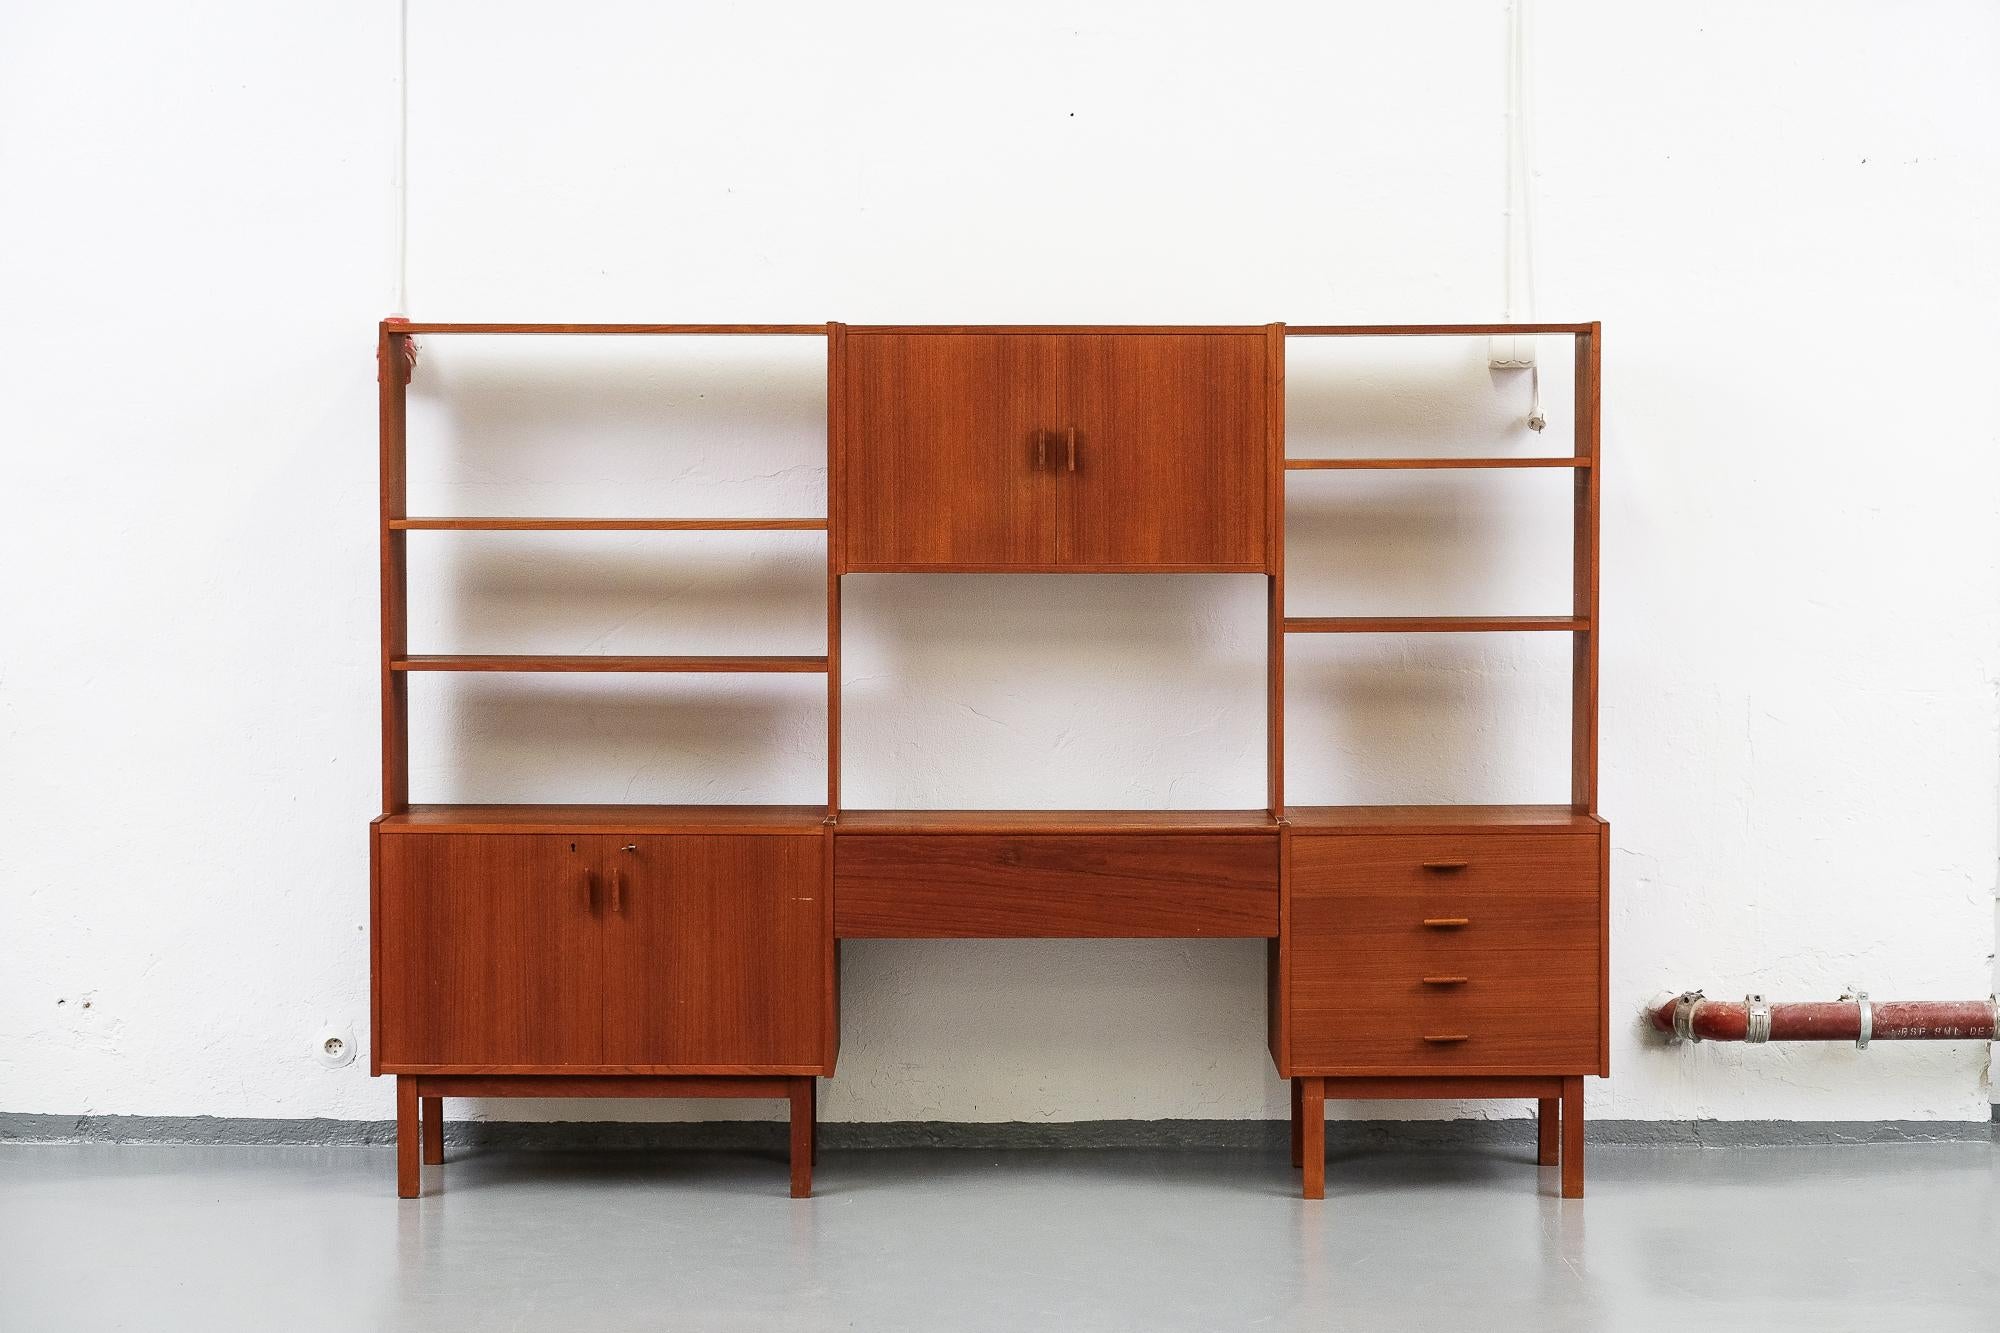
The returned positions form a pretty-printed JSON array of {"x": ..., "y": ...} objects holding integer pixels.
[
  {"x": 996, "y": 886},
  {"x": 1164, "y": 459},
  {"x": 948, "y": 450},
  {"x": 712, "y": 950},
  {"x": 489, "y": 952}
]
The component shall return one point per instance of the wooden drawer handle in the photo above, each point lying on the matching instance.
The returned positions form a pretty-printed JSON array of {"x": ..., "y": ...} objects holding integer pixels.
[
  {"x": 1445, "y": 867},
  {"x": 1446, "y": 922},
  {"x": 1446, "y": 1038},
  {"x": 1445, "y": 981}
]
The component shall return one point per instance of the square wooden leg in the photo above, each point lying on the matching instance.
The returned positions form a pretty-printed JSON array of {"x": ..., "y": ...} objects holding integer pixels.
[
  {"x": 432, "y": 1119},
  {"x": 1547, "y": 1118},
  {"x": 1312, "y": 1135},
  {"x": 409, "y": 1174},
  {"x": 805, "y": 1096},
  {"x": 1298, "y": 1121},
  {"x": 1572, "y": 1138}
]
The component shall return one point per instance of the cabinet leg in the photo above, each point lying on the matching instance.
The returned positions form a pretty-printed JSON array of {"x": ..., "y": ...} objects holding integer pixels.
[
  {"x": 409, "y": 1174},
  {"x": 1547, "y": 1117},
  {"x": 805, "y": 1095},
  {"x": 1312, "y": 1135},
  {"x": 1298, "y": 1121},
  {"x": 432, "y": 1119},
  {"x": 1572, "y": 1138}
]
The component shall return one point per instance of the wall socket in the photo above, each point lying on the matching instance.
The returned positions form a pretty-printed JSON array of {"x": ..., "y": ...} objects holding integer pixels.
[{"x": 334, "y": 1047}]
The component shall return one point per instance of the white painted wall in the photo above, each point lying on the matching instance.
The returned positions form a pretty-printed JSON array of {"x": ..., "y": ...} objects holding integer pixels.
[{"x": 1784, "y": 214}]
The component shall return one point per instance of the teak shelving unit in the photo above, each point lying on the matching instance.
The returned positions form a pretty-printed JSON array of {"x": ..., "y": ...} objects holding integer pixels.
[{"x": 689, "y": 951}]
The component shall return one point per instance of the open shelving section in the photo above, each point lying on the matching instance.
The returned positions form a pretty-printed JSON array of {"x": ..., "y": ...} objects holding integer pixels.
[{"x": 1582, "y": 620}]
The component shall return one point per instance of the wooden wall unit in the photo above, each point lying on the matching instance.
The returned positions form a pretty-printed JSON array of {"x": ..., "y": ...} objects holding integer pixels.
[{"x": 1414, "y": 951}]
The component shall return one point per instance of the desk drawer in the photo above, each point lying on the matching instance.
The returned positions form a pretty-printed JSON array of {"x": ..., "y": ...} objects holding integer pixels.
[
  {"x": 1005, "y": 886},
  {"x": 1415, "y": 954}
]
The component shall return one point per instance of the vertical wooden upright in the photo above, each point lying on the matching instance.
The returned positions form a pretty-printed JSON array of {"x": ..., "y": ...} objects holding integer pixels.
[
  {"x": 836, "y": 360},
  {"x": 1583, "y": 680},
  {"x": 392, "y": 364}
]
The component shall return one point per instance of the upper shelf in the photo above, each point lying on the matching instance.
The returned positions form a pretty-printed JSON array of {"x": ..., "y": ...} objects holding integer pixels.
[
  {"x": 688, "y": 330},
  {"x": 595, "y": 662},
  {"x": 608, "y": 524},
  {"x": 606, "y": 819},
  {"x": 1440, "y": 819},
  {"x": 1398, "y": 464},
  {"x": 1429, "y": 330},
  {"x": 1056, "y": 821},
  {"x": 1429, "y": 624}
]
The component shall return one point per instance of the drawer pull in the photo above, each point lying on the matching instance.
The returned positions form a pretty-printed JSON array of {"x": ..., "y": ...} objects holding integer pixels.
[
  {"x": 1446, "y": 1038},
  {"x": 1446, "y": 922},
  {"x": 1443, "y": 867},
  {"x": 1444, "y": 981}
]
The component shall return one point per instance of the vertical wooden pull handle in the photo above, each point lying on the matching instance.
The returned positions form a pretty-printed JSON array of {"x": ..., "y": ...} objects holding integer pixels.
[
  {"x": 1072, "y": 448},
  {"x": 1041, "y": 450},
  {"x": 589, "y": 892},
  {"x": 617, "y": 890}
]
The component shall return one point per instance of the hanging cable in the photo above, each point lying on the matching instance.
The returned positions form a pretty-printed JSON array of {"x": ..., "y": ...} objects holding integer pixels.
[
  {"x": 401, "y": 188},
  {"x": 1518, "y": 268}
]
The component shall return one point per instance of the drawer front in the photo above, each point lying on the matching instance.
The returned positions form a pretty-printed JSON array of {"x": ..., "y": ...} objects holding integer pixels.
[
  {"x": 1007, "y": 886},
  {"x": 1418, "y": 954}
]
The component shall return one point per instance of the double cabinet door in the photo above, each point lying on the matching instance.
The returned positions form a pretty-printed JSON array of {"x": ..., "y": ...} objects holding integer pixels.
[
  {"x": 1127, "y": 451},
  {"x": 556, "y": 950}
]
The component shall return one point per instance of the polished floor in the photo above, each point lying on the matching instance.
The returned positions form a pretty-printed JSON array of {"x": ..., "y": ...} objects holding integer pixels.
[{"x": 1886, "y": 1239}]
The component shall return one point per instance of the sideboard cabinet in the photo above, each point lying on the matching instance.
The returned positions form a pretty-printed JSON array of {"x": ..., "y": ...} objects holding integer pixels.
[{"x": 690, "y": 951}]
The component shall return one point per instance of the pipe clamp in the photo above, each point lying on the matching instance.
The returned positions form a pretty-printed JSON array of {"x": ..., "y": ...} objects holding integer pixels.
[
  {"x": 1684, "y": 1008},
  {"x": 1756, "y": 1020},
  {"x": 1860, "y": 997}
]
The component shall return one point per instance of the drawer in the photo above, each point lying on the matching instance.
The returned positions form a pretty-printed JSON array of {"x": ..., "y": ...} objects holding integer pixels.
[
  {"x": 1417, "y": 954},
  {"x": 1007, "y": 886}
]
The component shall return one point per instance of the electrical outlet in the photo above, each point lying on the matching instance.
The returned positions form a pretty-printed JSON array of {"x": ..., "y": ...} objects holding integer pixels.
[{"x": 334, "y": 1047}]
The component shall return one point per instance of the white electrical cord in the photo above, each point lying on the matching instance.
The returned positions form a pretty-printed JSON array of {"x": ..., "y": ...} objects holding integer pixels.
[
  {"x": 1519, "y": 268},
  {"x": 401, "y": 187}
]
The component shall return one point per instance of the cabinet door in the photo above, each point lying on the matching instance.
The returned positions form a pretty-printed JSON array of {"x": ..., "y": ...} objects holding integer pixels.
[
  {"x": 488, "y": 951},
  {"x": 1171, "y": 453},
  {"x": 948, "y": 450},
  {"x": 714, "y": 950}
]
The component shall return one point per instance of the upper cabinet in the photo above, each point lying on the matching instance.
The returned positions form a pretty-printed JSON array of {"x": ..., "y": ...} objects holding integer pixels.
[{"x": 982, "y": 450}]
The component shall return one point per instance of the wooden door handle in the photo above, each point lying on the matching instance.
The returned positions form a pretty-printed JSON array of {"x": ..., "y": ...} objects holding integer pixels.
[
  {"x": 1446, "y": 1038},
  {"x": 1444, "y": 981},
  {"x": 1072, "y": 448},
  {"x": 1446, "y": 922},
  {"x": 589, "y": 892},
  {"x": 617, "y": 891},
  {"x": 1445, "y": 867},
  {"x": 1041, "y": 450}
]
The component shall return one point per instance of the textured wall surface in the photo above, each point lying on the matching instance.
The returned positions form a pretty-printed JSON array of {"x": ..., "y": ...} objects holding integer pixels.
[{"x": 1783, "y": 213}]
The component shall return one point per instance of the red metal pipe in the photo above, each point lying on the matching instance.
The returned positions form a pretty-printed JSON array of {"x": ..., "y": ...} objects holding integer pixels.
[{"x": 1694, "y": 1017}]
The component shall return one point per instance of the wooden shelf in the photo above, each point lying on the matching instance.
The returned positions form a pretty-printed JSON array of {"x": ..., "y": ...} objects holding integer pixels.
[
  {"x": 1442, "y": 819},
  {"x": 684, "y": 330},
  {"x": 1429, "y": 624},
  {"x": 536, "y": 662},
  {"x": 608, "y": 524},
  {"x": 1429, "y": 330},
  {"x": 1422, "y": 464},
  {"x": 606, "y": 818},
  {"x": 1056, "y": 821}
]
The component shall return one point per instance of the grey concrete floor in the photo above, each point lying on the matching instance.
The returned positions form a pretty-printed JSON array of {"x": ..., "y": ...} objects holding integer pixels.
[{"x": 1888, "y": 1239}]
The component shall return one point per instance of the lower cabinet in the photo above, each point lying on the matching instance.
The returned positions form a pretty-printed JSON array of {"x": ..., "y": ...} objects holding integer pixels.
[
  {"x": 658, "y": 952},
  {"x": 1453, "y": 955}
]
